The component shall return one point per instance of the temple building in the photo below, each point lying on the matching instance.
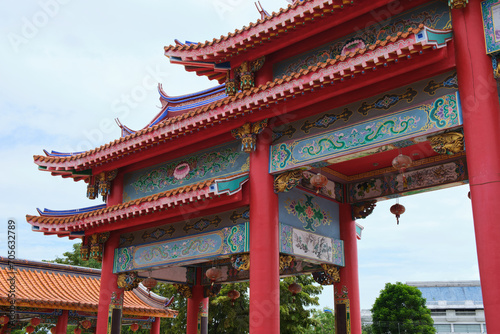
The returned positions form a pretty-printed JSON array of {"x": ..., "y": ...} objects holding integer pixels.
[
  {"x": 57, "y": 295},
  {"x": 317, "y": 112}
]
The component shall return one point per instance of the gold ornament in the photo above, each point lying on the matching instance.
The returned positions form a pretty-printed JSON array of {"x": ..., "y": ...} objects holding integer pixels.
[
  {"x": 447, "y": 143},
  {"x": 287, "y": 181}
]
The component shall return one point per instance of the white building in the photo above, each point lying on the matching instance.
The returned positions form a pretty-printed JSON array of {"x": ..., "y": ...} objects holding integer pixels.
[{"x": 456, "y": 306}]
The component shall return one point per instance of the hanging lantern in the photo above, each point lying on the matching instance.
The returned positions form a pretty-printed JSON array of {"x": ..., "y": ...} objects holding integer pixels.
[
  {"x": 294, "y": 288},
  {"x": 30, "y": 329},
  {"x": 397, "y": 209},
  {"x": 86, "y": 324},
  {"x": 233, "y": 295},
  {"x": 77, "y": 330},
  {"x": 53, "y": 330},
  {"x": 213, "y": 274},
  {"x": 318, "y": 181},
  {"x": 35, "y": 322},
  {"x": 4, "y": 320},
  {"x": 401, "y": 162},
  {"x": 134, "y": 327}
]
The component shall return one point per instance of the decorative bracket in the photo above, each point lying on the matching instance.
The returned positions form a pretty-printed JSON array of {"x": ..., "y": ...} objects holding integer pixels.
[
  {"x": 241, "y": 261},
  {"x": 184, "y": 290},
  {"x": 457, "y": 4},
  {"x": 248, "y": 134},
  {"x": 128, "y": 281},
  {"x": 101, "y": 184},
  {"x": 96, "y": 242},
  {"x": 287, "y": 181},
  {"x": 286, "y": 261},
  {"x": 447, "y": 143},
  {"x": 244, "y": 75},
  {"x": 363, "y": 209},
  {"x": 328, "y": 276}
]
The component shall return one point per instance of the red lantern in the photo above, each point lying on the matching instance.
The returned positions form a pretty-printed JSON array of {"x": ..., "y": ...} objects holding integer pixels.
[
  {"x": 35, "y": 322},
  {"x": 397, "y": 209},
  {"x": 134, "y": 327},
  {"x": 30, "y": 329},
  {"x": 401, "y": 162},
  {"x": 294, "y": 288},
  {"x": 318, "y": 181},
  {"x": 233, "y": 295},
  {"x": 77, "y": 330},
  {"x": 4, "y": 320},
  {"x": 86, "y": 324},
  {"x": 213, "y": 274}
]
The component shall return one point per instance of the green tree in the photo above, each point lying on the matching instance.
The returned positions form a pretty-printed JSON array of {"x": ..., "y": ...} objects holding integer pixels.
[
  {"x": 324, "y": 322},
  {"x": 226, "y": 316},
  {"x": 294, "y": 317},
  {"x": 73, "y": 258},
  {"x": 400, "y": 308}
]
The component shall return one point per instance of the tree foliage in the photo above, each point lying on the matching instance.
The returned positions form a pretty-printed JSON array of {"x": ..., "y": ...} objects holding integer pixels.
[
  {"x": 324, "y": 322},
  {"x": 295, "y": 318},
  {"x": 73, "y": 258},
  {"x": 400, "y": 308}
]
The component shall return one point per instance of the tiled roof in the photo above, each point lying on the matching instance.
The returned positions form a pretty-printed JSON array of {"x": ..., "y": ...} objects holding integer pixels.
[
  {"x": 401, "y": 46},
  {"x": 54, "y": 286},
  {"x": 278, "y": 25},
  {"x": 138, "y": 207}
]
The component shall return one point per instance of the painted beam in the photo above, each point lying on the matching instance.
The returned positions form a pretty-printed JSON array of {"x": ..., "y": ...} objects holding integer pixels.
[
  {"x": 229, "y": 240},
  {"x": 425, "y": 119}
]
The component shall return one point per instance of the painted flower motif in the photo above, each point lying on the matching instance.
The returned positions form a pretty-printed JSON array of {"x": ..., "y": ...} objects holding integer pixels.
[
  {"x": 309, "y": 212},
  {"x": 181, "y": 171}
]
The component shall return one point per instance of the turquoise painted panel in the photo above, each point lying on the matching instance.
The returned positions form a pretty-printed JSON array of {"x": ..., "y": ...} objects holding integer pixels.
[
  {"x": 440, "y": 114},
  {"x": 491, "y": 25},
  {"x": 225, "y": 241},
  {"x": 435, "y": 15},
  {"x": 308, "y": 212},
  {"x": 221, "y": 161}
]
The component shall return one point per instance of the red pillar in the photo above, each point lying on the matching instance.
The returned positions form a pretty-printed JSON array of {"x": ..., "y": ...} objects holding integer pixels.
[
  {"x": 264, "y": 243},
  {"x": 349, "y": 280},
  {"x": 155, "y": 327},
  {"x": 197, "y": 304},
  {"x": 108, "y": 283},
  {"x": 481, "y": 114},
  {"x": 62, "y": 322}
]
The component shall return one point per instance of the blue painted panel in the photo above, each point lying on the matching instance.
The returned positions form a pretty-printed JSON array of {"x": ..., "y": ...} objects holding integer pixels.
[
  {"x": 434, "y": 15},
  {"x": 221, "y": 161},
  {"x": 307, "y": 212}
]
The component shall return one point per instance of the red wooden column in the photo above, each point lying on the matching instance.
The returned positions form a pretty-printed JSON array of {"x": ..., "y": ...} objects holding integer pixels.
[
  {"x": 481, "y": 114},
  {"x": 155, "y": 327},
  {"x": 62, "y": 322},
  {"x": 347, "y": 290},
  {"x": 264, "y": 243},
  {"x": 110, "y": 296},
  {"x": 197, "y": 308}
]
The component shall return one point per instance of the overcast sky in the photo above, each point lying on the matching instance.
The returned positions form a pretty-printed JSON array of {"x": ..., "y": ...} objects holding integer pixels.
[{"x": 69, "y": 68}]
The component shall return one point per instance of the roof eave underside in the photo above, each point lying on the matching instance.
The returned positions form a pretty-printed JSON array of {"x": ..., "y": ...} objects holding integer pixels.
[{"x": 377, "y": 56}]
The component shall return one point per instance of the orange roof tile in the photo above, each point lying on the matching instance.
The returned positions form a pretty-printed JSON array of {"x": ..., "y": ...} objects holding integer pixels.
[{"x": 55, "y": 286}]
